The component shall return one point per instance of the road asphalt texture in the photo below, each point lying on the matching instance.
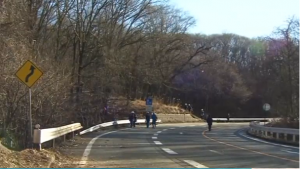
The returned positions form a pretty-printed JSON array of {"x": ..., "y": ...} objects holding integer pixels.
[{"x": 184, "y": 145}]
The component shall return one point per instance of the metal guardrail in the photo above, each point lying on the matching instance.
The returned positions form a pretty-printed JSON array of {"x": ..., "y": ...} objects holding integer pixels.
[
  {"x": 243, "y": 119},
  {"x": 114, "y": 123},
  {"x": 285, "y": 135},
  {"x": 43, "y": 135}
]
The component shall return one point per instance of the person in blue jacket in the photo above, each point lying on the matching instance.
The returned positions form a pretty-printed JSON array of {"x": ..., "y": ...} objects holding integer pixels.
[{"x": 154, "y": 118}]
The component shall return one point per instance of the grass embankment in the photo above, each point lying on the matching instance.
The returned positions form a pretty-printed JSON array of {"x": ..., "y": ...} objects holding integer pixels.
[{"x": 167, "y": 113}]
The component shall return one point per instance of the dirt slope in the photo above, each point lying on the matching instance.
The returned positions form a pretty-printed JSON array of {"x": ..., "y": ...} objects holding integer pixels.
[{"x": 31, "y": 158}]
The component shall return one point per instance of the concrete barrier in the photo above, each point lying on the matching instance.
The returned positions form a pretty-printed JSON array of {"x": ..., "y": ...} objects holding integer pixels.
[
  {"x": 282, "y": 135},
  {"x": 241, "y": 119}
]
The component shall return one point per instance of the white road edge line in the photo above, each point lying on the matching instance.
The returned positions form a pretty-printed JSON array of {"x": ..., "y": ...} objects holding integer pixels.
[
  {"x": 195, "y": 164},
  {"x": 290, "y": 151},
  {"x": 169, "y": 151},
  {"x": 157, "y": 142},
  {"x": 259, "y": 140},
  {"x": 154, "y": 138},
  {"x": 88, "y": 148}
]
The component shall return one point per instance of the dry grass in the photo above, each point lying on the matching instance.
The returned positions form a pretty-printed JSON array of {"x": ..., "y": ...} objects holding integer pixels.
[
  {"x": 139, "y": 107},
  {"x": 160, "y": 108},
  {"x": 167, "y": 113},
  {"x": 284, "y": 124},
  {"x": 31, "y": 158}
]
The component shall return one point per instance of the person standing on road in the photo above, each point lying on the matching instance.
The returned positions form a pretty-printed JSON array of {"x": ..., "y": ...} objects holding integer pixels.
[
  {"x": 147, "y": 119},
  {"x": 202, "y": 114},
  {"x": 228, "y": 116},
  {"x": 209, "y": 121},
  {"x": 154, "y": 118},
  {"x": 132, "y": 118}
]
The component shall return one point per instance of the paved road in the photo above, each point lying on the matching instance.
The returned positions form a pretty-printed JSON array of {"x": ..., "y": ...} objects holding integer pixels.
[{"x": 183, "y": 146}]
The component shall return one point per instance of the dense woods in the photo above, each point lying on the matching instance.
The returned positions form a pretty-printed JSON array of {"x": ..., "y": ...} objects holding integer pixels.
[{"x": 92, "y": 50}]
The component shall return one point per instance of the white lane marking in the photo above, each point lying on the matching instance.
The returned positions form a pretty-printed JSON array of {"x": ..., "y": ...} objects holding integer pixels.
[
  {"x": 157, "y": 142},
  {"x": 159, "y": 132},
  {"x": 259, "y": 140},
  {"x": 165, "y": 129},
  {"x": 290, "y": 151},
  {"x": 195, "y": 164},
  {"x": 88, "y": 148},
  {"x": 155, "y": 134},
  {"x": 215, "y": 151},
  {"x": 180, "y": 133},
  {"x": 192, "y": 125},
  {"x": 169, "y": 151},
  {"x": 139, "y": 143},
  {"x": 154, "y": 138},
  {"x": 172, "y": 128}
]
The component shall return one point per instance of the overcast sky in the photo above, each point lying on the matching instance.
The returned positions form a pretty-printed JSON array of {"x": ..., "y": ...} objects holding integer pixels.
[{"x": 250, "y": 18}]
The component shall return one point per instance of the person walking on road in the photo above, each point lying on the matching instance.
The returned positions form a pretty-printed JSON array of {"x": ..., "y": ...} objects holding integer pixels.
[
  {"x": 209, "y": 121},
  {"x": 228, "y": 116},
  {"x": 132, "y": 119},
  {"x": 148, "y": 119},
  {"x": 203, "y": 114},
  {"x": 154, "y": 118}
]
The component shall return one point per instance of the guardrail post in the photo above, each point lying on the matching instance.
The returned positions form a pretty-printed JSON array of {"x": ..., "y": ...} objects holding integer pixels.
[
  {"x": 285, "y": 136},
  {"x": 64, "y": 138},
  {"x": 294, "y": 138},
  {"x": 53, "y": 143},
  {"x": 277, "y": 135}
]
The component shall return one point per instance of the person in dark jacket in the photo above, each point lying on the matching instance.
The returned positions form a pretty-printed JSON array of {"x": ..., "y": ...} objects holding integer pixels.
[
  {"x": 154, "y": 118},
  {"x": 132, "y": 118},
  {"x": 147, "y": 119},
  {"x": 209, "y": 121},
  {"x": 228, "y": 116}
]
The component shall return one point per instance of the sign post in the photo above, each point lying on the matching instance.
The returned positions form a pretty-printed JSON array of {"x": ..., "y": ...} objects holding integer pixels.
[
  {"x": 149, "y": 104},
  {"x": 29, "y": 73},
  {"x": 266, "y": 107}
]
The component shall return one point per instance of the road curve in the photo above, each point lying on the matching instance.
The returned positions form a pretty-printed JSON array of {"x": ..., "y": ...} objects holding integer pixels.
[{"x": 183, "y": 146}]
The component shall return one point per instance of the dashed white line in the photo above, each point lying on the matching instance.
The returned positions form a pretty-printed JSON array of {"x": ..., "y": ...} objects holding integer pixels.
[
  {"x": 159, "y": 132},
  {"x": 165, "y": 129},
  {"x": 154, "y": 138},
  {"x": 155, "y": 134},
  {"x": 215, "y": 151},
  {"x": 180, "y": 133},
  {"x": 157, "y": 142},
  {"x": 195, "y": 164},
  {"x": 169, "y": 151},
  {"x": 172, "y": 128}
]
